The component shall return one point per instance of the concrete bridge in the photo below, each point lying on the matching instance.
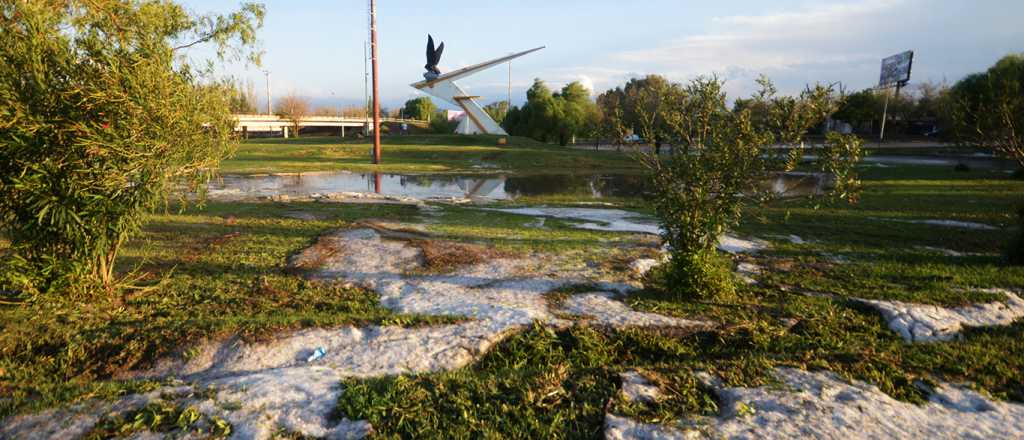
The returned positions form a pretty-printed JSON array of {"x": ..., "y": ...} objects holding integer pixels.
[{"x": 275, "y": 123}]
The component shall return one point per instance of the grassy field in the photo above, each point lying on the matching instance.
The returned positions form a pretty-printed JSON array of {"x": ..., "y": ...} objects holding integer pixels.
[
  {"x": 223, "y": 271},
  {"x": 421, "y": 154}
]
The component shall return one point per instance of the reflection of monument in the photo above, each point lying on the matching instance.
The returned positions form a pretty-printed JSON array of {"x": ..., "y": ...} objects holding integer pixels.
[
  {"x": 443, "y": 86},
  {"x": 479, "y": 187}
]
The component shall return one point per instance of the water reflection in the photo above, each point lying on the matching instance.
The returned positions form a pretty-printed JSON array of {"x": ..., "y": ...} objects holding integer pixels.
[
  {"x": 490, "y": 187},
  {"x": 426, "y": 186}
]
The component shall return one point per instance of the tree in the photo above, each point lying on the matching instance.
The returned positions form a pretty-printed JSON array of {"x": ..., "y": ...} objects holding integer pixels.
[
  {"x": 497, "y": 111},
  {"x": 988, "y": 108},
  {"x": 860, "y": 108},
  {"x": 326, "y": 110},
  {"x": 421, "y": 108},
  {"x": 539, "y": 115},
  {"x": 243, "y": 97},
  {"x": 440, "y": 124},
  {"x": 724, "y": 159},
  {"x": 293, "y": 108},
  {"x": 611, "y": 124},
  {"x": 988, "y": 111},
  {"x": 100, "y": 117},
  {"x": 575, "y": 112},
  {"x": 546, "y": 115}
]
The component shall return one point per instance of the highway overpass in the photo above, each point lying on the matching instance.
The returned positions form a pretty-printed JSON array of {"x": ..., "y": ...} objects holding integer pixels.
[{"x": 275, "y": 123}]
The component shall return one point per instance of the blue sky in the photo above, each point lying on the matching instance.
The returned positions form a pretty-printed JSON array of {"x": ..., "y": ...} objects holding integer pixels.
[{"x": 315, "y": 48}]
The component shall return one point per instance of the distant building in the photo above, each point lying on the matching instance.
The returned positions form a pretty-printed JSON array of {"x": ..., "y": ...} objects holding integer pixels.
[{"x": 456, "y": 115}]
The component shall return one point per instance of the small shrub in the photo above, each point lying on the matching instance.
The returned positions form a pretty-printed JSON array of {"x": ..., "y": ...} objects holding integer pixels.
[
  {"x": 704, "y": 275},
  {"x": 720, "y": 161},
  {"x": 961, "y": 168}
]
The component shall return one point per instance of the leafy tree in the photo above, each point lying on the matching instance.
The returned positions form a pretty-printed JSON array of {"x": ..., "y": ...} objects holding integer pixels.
[
  {"x": 100, "y": 117},
  {"x": 575, "y": 112},
  {"x": 540, "y": 113},
  {"x": 421, "y": 108},
  {"x": 988, "y": 108},
  {"x": 497, "y": 111},
  {"x": 724, "y": 159},
  {"x": 243, "y": 97},
  {"x": 440, "y": 124},
  {"x": 546, "y": 115},
  {"x": 988, "y": 111},
  {"x": 293, "y": 108},
  {"x": 612, "y": 124},
  {"x": 512, "y": 120},
  {"x": 860, "y": 108}
]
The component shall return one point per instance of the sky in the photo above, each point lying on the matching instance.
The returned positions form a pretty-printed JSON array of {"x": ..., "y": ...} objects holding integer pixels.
[{"x": 315, "y": 48}]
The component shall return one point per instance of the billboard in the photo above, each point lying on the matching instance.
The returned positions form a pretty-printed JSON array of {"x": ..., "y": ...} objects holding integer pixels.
[{"x": 896, "y": 69}]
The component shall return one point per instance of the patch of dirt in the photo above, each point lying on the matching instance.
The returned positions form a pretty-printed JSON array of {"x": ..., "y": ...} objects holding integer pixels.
[
  {"x": 315, "y": 256},
  {"x": 207, "y": 245},
  {"x": 446, "y": 256},
  {"x": 625, "y": 261}
]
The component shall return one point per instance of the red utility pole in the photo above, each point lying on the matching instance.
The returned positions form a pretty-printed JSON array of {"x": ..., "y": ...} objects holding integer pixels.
[{"x": 376, "y": 91}]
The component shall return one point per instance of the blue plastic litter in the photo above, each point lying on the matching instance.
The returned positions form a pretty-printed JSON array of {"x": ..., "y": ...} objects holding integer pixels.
[{"x": 317, "y": 354}]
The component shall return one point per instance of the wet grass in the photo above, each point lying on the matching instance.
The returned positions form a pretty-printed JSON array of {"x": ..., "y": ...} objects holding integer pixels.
[
  {"x": 229, "y": 276},
  {"x": 544, "y": 378},
  {"x": 872, "y": 250},
  {"x": 558, "y": 383},
  {"x": 217, "y": 271},
  {"x": 421, "y": 154}
]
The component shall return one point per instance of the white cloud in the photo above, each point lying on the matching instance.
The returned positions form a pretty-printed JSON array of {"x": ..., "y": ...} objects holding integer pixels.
[
  {"x": 821, "y": 41},
  {"x": 739, "y": 48},
  {"x": 586, "y": 82}
]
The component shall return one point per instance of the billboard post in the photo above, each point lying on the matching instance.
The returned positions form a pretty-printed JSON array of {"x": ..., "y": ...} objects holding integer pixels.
[{"x": 895, "y": 72}]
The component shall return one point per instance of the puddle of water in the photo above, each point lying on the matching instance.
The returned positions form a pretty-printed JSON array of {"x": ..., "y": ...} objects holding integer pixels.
[
  {"x": 981, "y": 161},
  {"x": 490, "y": 187},
  {"x": 425, "y": 186},
  {"x": 614, "y": 220}
]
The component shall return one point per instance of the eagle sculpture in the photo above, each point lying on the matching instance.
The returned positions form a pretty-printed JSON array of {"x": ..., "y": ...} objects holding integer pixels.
[{"x": 433, "y": 58}]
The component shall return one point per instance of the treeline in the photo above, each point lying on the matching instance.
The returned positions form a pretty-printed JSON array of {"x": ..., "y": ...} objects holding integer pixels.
[{"x": 637, "y": 110}]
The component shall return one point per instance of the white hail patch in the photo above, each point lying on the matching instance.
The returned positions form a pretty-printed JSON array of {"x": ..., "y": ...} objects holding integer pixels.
[
  {"x": 820, "y": 405},
  {"x": 930, "y": 323},
  {"x": 279, "y": 383}
]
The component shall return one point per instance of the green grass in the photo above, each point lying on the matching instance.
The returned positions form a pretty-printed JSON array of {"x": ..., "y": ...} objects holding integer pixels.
[
  {"x": 229, "y": 277},
  {"x": 890, "y": 259},
  {"x": 421, "y": 154},
  {"x": 544, "y": 378},
  {"x": 223, "y": 272}
]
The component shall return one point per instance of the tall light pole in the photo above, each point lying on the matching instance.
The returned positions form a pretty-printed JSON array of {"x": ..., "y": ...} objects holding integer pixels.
[
  {"x": 376, "y": 88},
  {"x": 267, "y": 74},
  {"x": 509, "y": 106}
]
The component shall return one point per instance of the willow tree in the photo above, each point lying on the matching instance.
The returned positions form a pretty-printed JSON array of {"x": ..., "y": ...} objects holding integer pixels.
[
  {"x": 720, "y": 164},
  {"x": 102, "y": 114}
]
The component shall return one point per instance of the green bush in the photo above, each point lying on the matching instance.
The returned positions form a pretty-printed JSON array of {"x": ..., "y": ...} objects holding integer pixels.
[
  {"x": 441, "y": 125},
  {"x": 100, "y": 117},
  {"x": 702, "y": 275},
  {"x": 722, "y": 160}
]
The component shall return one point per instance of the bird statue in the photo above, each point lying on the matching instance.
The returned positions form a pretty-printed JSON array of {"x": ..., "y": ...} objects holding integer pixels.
[{"x": 433, "y": 58}]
